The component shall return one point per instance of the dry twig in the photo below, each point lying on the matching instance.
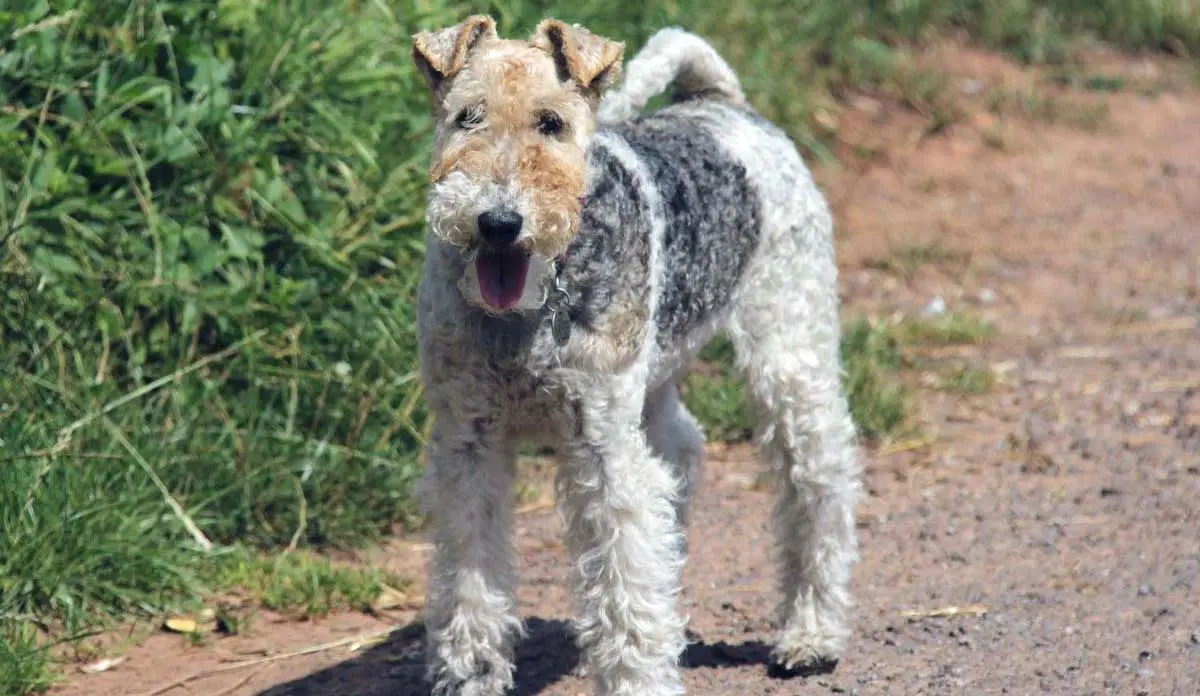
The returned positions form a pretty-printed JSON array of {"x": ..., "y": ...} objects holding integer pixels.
[{"x": 969, "y": 610}]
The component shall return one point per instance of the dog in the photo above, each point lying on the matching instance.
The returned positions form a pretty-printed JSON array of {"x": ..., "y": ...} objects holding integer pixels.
[{"x": 579, "y": 253}]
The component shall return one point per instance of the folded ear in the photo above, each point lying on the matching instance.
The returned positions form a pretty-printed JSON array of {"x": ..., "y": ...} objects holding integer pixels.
[
  {"x": 441, "y": 53},
  {"x": 593, "y": 62}
]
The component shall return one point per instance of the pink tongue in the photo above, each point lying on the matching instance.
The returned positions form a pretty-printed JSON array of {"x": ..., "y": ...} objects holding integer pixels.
[{"x": 502, "y": 277}]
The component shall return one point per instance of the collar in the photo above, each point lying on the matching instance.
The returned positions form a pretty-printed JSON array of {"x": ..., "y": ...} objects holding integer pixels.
[{"x": 559, "y": 303}]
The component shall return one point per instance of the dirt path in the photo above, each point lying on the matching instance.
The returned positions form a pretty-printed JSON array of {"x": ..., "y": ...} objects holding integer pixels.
[{"x": 1061, "y": 510}]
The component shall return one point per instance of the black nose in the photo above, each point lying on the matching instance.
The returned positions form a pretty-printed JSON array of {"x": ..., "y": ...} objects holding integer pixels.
[{"x": 500, "y": 227}]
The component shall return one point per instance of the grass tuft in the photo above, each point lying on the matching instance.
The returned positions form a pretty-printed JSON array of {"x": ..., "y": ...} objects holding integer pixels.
[
  {"x": 871, "y": 357},
  {"x": 301, "y": 582},
  {"x": 1035, "y": 105},
  {"x": 25, "y": 666},
  {"x": 906, "y": 260},
  {"x": 955, "y": 328},
  {"x": 716, "y": 395},
  {"x": 968, "y": 380}
]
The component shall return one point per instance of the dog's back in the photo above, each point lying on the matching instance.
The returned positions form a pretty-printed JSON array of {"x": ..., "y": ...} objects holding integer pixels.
[
  {"x": 705, "y": 186},
  {"x": 709, "y": 207}
]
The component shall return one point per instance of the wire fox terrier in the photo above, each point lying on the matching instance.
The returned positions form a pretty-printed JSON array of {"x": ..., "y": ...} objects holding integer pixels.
[{"x": 579, "y": 254}]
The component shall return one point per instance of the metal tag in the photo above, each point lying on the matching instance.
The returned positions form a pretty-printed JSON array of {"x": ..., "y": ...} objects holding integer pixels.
[{"x": 560, "y": 328}]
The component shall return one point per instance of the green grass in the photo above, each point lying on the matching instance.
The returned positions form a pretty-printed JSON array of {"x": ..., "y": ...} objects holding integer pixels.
[
  {"x": 1094, "y": 82},
  {"x": 716, "y": 395},
  {"x": 969, "y": 380},
  {"x": 25, "y": 665},
  {"x": 906, "y": 260},
  {"x": 210, "y": 230},
  {"x": 1036, "y": 105},
  {"x": 955, "y": 328},
  {"x": 301, "y": 582},
  {"x": 871, "y": 359}
]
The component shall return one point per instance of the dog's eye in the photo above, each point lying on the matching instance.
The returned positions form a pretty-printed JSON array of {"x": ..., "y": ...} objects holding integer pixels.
[
  {"x": 470, "y": 117},
  {"x": 550, "y": 123}
]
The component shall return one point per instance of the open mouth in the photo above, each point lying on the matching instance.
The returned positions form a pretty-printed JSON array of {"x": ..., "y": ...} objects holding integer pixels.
[{"x": 502, "y": 274}]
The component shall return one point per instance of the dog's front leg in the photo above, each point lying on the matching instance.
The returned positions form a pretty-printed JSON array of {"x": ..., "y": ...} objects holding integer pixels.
[
  {"x": 617, "y": 500},
  {"x": 471, "y": 616}
]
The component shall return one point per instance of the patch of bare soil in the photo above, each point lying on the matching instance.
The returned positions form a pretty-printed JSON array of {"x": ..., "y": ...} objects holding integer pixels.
[{"x": 1045, "y": 539}]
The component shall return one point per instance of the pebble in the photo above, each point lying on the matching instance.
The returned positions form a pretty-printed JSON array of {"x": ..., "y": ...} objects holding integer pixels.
[
  {"x": 1196, "y": 638},
  {"x": 936, "y": 307}
]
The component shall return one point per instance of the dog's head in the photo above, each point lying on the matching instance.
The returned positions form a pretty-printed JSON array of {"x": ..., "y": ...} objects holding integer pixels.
[{"x": 514, "y": 119}]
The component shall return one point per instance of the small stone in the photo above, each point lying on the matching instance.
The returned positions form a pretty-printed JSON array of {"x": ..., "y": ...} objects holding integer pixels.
[
  {"x": 936, "y": 307},
  {"x": 826, "y": 120},
  {"x": 972, "y": 87},
  {"x": 1145, "y": 673},
  {"x": 867, "y": 104},
  {"x": 1196, "y": 638},
  {"x": 1145, "y": 590},
  {"x": 987, "y": 296}
]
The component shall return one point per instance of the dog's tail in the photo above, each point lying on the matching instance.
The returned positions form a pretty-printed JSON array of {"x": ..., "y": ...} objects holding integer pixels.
[{"x": 676, "y": 59}]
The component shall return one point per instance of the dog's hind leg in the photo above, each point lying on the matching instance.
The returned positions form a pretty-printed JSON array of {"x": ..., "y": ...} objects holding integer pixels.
[
  {"x": 785, "y": 331},
  {"x": 676, "y": 437}
]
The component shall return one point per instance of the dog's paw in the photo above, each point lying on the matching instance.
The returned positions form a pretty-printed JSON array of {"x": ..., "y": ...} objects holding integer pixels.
[
  {"x": 486, "y": 685},
  {"x": 487, "y": 678},
  {"x": 803, "y": 653}
]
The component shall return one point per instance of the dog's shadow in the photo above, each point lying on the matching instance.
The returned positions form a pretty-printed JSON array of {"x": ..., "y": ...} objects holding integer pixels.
[{"x": 396, "y": 666}]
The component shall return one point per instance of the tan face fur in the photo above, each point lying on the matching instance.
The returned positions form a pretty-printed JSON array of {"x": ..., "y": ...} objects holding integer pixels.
[{"x": 514, "y": 119}]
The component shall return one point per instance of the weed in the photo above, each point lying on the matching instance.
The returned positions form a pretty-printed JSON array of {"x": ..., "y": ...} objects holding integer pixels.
[
  {"x": 871, "y": 357},
  {"x": 1094, "y": 82},
  {"x": 25, "y": 666},
  {"x": 231, "y": 621},
  {"x": 720, "y": 404},
  {"x": 955, "y": 328},
  {"x": 1049, "y": 108},
  {"x": 300, "y": 582},
  {"x": 716, "y": 395},
  {"x": 1122, "y": 315},
  {"x": 968, "y": 379},
  {"x": 906, "y": 260},
  {"x": 927, "y": 93}
]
